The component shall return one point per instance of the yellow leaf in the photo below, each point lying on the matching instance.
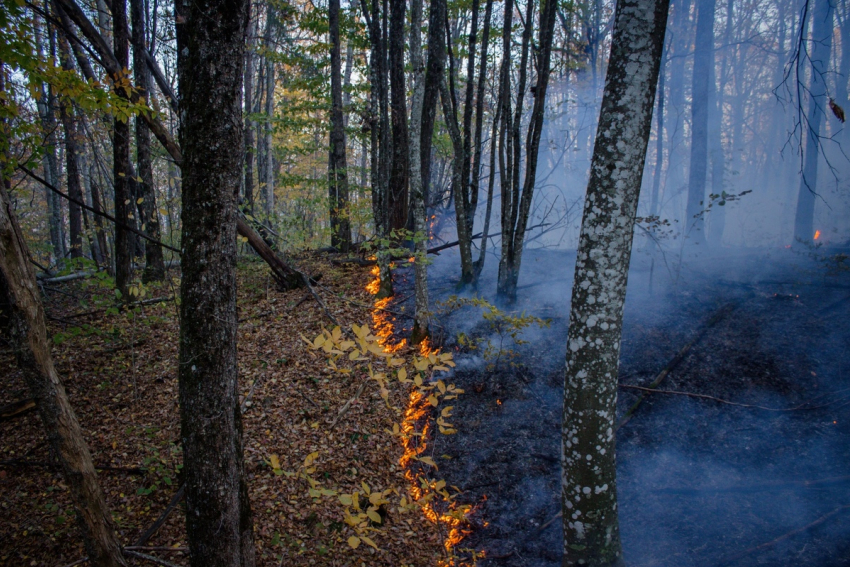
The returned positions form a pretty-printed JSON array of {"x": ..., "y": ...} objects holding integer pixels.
[
  {"x": 428, "y": 461},
  {"x": 368, "y": 541},
  {"x": 366, "y": 488},
  {"x": 417, "y": 380},
  {"x": 337, "y": 332},
  {"x": 354, "y": 542},
  {"x": 374, "y": 516},
  {"x": 140, "y": 200},
  {"x": 432, "y": 399},
  {"x": 274, "y": 461},
  {"x": 402, "y": 374},
  {"x": 441, "y": 386},
  {"x": 345, "y": 499}
]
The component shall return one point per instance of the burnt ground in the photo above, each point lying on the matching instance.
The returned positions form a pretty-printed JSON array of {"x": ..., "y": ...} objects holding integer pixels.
[{"x": 701, "y": 483}]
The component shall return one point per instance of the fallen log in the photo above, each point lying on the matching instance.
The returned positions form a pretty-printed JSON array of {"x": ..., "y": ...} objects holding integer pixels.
[{"x": 674, "y": 362}]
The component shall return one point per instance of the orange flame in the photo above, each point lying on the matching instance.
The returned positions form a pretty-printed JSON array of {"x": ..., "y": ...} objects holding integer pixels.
[
  {"x": 422, "y": 490},
  {"x": 817, "y": 234}
]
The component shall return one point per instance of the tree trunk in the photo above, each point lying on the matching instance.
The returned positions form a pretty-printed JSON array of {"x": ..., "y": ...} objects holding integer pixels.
[
  {"x": 421, "y": 319},
  {"x": 268, "y": 130},
  {"x": 433, "y": 77},
  {"x": 703, "y": 60},
  {"x": 123, "y": 198},
  {"x": 337, "y": 165},
  {"x": 147, "y": 209},
  {"x": 822, "y": 33},
  {"x": 717, "y": 216},
  {"x": 72, "y": 166},
  {"x": 248, "y": 88},
  {"x": 398, "y": 189},
  {"x": 24, "y": 315},
  {"x": 589, "y": 491},
  {"x": 211, "y": 54}
]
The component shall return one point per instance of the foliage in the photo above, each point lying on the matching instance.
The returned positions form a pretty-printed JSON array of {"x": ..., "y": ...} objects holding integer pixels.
[{"x": 503, "y": 325}]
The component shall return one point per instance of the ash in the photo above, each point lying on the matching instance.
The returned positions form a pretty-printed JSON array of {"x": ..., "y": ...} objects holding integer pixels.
[{"x": 700, "y": 483}]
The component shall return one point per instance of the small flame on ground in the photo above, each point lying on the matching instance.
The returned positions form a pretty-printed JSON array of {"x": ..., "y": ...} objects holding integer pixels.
[
  {"x": 817, "y": 234},
  {"x": 499, "y": 402}
]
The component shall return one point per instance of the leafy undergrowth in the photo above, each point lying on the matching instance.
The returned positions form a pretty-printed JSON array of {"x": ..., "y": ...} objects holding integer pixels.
[{"x": 120, "y": 370}]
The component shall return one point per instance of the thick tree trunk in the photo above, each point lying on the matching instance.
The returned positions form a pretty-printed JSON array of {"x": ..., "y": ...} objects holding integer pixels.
[
  {"x": 211, "y": 48},
  {"x": 589, "y": 490},
  {"x": 147, "y": 209},
  {"x": 700, "y": 94},
  {"x": 398, "y": 181},
  {"x": 822, "y": 32},
  {"x": 337, "y": 164},
  {"x": 123, "y": 196},
  {"x": 24, "y": 314}
]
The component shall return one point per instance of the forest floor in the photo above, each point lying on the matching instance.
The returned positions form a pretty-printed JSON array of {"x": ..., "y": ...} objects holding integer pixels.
[
  {"x": 120, "y": 371},
  {"x": 702, "y": 482}
]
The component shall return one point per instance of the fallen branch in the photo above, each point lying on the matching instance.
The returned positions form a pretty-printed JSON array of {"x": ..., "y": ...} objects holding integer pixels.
[
  {"x": 783, "y": 537},
  {"x": 47, "y": 465},
  {"x": 244, "y": 407},
  {"x": 175, "y": 500},
  {"x": 674, "y": 362},
  {"x": 16, "y": 409},
  {"x": 157, "y": 548},
  {"x": 347, "y": 405},
  {"x": 96, "y": 212},
  {"x": 763, "y": 487},
  {"x": 150, "y": 558},
  {"x": 801, "y": 407},
  {"x": 319, "y": 301}
]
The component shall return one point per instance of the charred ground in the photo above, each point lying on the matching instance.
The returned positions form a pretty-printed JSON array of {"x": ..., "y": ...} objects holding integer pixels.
[{"x": 701, "y": 482}]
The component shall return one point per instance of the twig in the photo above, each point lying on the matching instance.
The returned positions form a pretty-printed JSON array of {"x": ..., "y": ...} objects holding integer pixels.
[
  {"x": 760, "y": 487},
  {"x": 247, "y": 399},
  {"x": 718, "y": 315},
  {"x": 549, "y": 523},
  {"x": 347, "y": 405},
  {"x": 175, "y": 500},
  {"x": 305, "y": 398},
  {"x": 801, "y": 407},
  {"x": 156, "y": 548},
  {"x": 150, "y": 558},
  {"x": 783, "y": 537},
  {"x": 319, "y": 301}
]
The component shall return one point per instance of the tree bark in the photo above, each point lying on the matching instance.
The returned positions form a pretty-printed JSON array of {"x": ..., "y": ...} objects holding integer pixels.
[
  {"x": 421, "y": 318},
  {"x": 337, "y": 164},
  {"x": 248, "y": 88},
  {"x": 123, "y": 196},
  {"x": 400, "y": 169},
  {"x": 822, "y": 32},
  {"x": 72, "y": 166},
  {"x": 433, "y": 77},
  {"x": 211, "y": 54},
  {"x": 24, "y": 315},
  {"x": 589, "y": 493},
  {"x": 700, "y": 91},
  {"x": 147, "y": 209}
]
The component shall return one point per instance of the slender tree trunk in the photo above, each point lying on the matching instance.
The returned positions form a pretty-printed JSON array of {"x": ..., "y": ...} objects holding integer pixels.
[
  {"x": 417, "y": 197},
  {"x": 123, "y": 196},
  {"x": 703, "y": 60},
  {"x": 676, "y": 105},
  {"x": 211, "y": 54},
  {"x": 72, "y": 171},
  {"x": 589, "y": 490},
  {"x": 23, "y": 314},
  {"x": 147, "y": 209},
  {"x": 268, "y": 131},
  {"x": 717, "y": 217},
  {"x": 659, "y": 145},
  {"x": 822, "y": 32},
  {"x": 248, "y": 88},
  {"x": 400, "y": 168},
  {"x": 337, "y": 165},
  {"x": 433, "y": 77}
]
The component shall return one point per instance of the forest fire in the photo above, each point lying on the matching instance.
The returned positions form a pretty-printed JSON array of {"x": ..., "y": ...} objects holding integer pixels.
[{"x": 415, "y": 433}]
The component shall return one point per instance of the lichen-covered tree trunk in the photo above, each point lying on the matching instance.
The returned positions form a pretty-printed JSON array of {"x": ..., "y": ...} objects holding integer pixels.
[
  {"x": 337, "y": 164},
  {"x": 147, "y": 209},
  {"x": 211, "y": 49},
  {"x": 22, "y": 311},
  {"x": 589, "y": 493}
]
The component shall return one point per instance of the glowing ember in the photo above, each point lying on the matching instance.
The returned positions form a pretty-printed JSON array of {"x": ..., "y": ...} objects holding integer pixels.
[
  {"x": 499, "y": 402},
  {"x": 817, "y": 234}
]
